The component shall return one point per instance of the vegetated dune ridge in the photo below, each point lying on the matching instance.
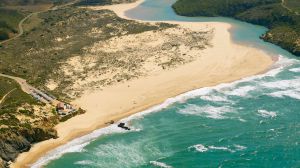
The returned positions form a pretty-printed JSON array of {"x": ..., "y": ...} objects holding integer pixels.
[{"x": 223, "y": 62}]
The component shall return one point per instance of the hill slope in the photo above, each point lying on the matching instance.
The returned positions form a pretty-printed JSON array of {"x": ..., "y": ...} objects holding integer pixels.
[
  {"x": 9, "y": 20},
  {"x": 23, "y": 121},
  {"x": 13, "y": 11},
  {"x": 281, "y": 17}
]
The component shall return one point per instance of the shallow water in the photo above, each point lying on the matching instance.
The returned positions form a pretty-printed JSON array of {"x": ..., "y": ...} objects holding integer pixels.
[{"x": 253, "y": 122}]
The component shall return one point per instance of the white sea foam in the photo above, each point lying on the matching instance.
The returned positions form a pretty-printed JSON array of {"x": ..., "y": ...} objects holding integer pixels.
[
  {"x": 282, "y": 63},
  {"x": 207, "y": 110},
  {"x": 286, "y": 93},
  {"x": 267, "y": 114},
  {"x": 240, "y": 147},
  {"x": 199, "y": 148},
  {"x": 294, "y": 69},
  {"x": 285, "y": 62},
  {"x": 241, "y": 91},
  {"x": 84, "y": 162},
  {"x": 127, "y": 155},
  {"x": 242, "y": 120},
  {"x": 278, "y": 67},
  {"x": 283, "y": 84},
  {"x": 160, "y": 164},
  {"x": 214, "y": 98},
  {"x": 284, "y": 88},
  {"x": 79, "y": 143},
  {"x": 76, "y": 145},
  {"x": 220, "y": 148}
]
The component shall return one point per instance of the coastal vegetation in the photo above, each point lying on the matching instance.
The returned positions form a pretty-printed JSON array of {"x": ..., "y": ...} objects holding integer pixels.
[
  {"x": 23, "y": 121},
  {"x": 43, "y": 50},
  {"x": 293, "y": 5},
  {"x": 101, "y": 2},
  {"x": 30, "y": 2},
  {"x": 280, "y": 16},
  {"x": 13, "y": 11},
  {"x": 9, "y": 20}
]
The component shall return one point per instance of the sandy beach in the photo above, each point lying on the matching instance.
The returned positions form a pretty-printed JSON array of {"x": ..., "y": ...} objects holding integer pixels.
[{"x": 224, "y": 62}]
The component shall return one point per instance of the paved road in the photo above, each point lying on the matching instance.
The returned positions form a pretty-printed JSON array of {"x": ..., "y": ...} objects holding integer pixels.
[
  {"x": 41, "y": 96},
  {"x": 22, "y": 82}
]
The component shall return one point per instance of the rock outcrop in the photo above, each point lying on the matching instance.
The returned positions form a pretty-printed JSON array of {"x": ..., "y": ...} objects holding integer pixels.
[
  {"x": 14, "y": 141},
  {"x": 122, "y": 125},
  {"x": 2, "y": 164}
]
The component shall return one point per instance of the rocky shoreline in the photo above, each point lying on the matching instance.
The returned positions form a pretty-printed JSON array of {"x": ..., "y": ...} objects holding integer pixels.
[{"x": 13, "y": 143}]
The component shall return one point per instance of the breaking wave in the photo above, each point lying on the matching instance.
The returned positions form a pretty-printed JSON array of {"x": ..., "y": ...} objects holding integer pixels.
[
  {"x": 85, "y": 162},
  {"x": 295, "y": 70},
  {"x": 287, "y": 93},
  {"x": 207, "y": 110},
  {"x": 201, "y": 148},
  {"x": 267, "y": 114},
  {"x": 241, "y": 91},
  {"x": 78, "y": 144},
  {"x": 240, "y": 147},
  {"x": 283, "y": 84},
  {"x": 160, "y": 164},
  {"x": 214, "y": 98}
]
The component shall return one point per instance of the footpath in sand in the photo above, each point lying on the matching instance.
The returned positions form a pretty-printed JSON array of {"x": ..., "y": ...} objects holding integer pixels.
[{"x": 224, "y": 62}]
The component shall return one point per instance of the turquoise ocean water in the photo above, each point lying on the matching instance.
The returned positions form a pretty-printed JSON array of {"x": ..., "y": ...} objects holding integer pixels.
[{"x": 253, "y": 122}]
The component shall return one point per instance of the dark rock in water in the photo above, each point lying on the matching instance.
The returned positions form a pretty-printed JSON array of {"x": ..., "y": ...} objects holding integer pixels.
[{"x": 122, "y": 125}]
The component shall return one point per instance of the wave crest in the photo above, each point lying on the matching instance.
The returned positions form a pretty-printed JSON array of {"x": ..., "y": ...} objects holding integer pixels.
[{"x": 160, "y": 164}]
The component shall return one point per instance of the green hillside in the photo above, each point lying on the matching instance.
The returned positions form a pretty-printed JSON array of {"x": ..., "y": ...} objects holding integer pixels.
[
  {"x": 13, "y": 11},
  {"x": 9, "y": 20},
  {"x": 101, "y": 2},
  {"x": 216, "y": 7},
  {"x": 293, "y": 4},
  {"x": 29, "y": 2},
  {"x": 281, "y": 17}
]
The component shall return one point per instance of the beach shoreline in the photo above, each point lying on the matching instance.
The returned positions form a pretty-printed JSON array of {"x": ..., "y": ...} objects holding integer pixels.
[{"x": 225, "y": 62}]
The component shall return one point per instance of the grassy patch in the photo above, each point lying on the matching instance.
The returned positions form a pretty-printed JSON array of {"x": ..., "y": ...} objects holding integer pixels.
[
  {"x": 15, "y": 99},
  {"x": 29, "y": 2},
  {"x": 32, "y": 23},
  {"x": 293, "y": 4},
  {"x": 9, "y": 20},
  {"x": 101, "y": 2},
  {"x": 30, "y": 8}
]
